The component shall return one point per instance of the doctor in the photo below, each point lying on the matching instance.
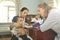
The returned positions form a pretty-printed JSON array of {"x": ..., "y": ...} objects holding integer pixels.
[{"x": 52, "y": 21}]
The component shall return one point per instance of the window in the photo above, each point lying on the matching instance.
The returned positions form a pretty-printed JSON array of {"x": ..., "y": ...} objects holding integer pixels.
[
  {"x": 7, "y": 11},
  {"x": 57, "y": 3}
]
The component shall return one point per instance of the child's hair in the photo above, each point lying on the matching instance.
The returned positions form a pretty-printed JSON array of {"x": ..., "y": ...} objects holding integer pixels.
[
  {"x": 16, "y": 18},
  {"x": 37, "y": 14}
]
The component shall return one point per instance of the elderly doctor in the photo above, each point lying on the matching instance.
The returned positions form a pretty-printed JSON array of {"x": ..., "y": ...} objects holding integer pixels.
[{"x": 52, "y": 19}]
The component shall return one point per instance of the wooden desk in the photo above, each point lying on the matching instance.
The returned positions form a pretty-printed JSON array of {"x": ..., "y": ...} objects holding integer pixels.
[{"x": 38, "y": 35}]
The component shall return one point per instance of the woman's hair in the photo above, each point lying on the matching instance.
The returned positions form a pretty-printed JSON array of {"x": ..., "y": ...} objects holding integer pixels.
[
  {"x": 45, "y": 6},
  {"x": 24, "y": 8}
]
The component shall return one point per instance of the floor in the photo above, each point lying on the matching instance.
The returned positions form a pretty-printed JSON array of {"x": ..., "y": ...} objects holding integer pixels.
[{"x": 5, "y": 38}]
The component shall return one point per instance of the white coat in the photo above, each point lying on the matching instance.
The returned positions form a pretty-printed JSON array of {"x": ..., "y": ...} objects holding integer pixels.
[{"x": 52, "y": 22}]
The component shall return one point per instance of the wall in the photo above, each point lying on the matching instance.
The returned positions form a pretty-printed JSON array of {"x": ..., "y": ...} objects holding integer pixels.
[{"x": 32, "y": 5}]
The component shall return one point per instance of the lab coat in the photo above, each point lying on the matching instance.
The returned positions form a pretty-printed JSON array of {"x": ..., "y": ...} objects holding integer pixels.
[{"x": 52, "y": 22}]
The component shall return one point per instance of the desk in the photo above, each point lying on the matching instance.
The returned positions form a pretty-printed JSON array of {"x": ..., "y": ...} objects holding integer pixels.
[{"x": 38, "y": 35}]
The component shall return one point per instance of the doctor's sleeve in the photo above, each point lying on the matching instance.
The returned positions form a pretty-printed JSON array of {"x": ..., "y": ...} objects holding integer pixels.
[{"x": 49, "y": 22}]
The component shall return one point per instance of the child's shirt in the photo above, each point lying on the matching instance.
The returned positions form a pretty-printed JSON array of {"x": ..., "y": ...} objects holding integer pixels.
[{"x": 39, "y": 20}]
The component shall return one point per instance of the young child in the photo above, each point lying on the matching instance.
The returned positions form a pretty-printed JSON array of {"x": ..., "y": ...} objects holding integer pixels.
[
  {"x": 18, "y": 30},
  {"x": 37, "y": 19}
]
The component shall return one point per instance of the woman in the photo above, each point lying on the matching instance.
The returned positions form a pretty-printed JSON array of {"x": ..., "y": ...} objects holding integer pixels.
[
  {"x": 52, "y": 21},
  {"x": 23, "y": 12}
]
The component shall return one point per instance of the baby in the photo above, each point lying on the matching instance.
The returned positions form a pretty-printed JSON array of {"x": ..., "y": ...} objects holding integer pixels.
[{"x": 18, "y": 29}]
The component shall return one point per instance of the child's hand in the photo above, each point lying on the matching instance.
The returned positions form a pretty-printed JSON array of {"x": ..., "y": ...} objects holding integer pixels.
[{"x": 28, "y": 26}]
